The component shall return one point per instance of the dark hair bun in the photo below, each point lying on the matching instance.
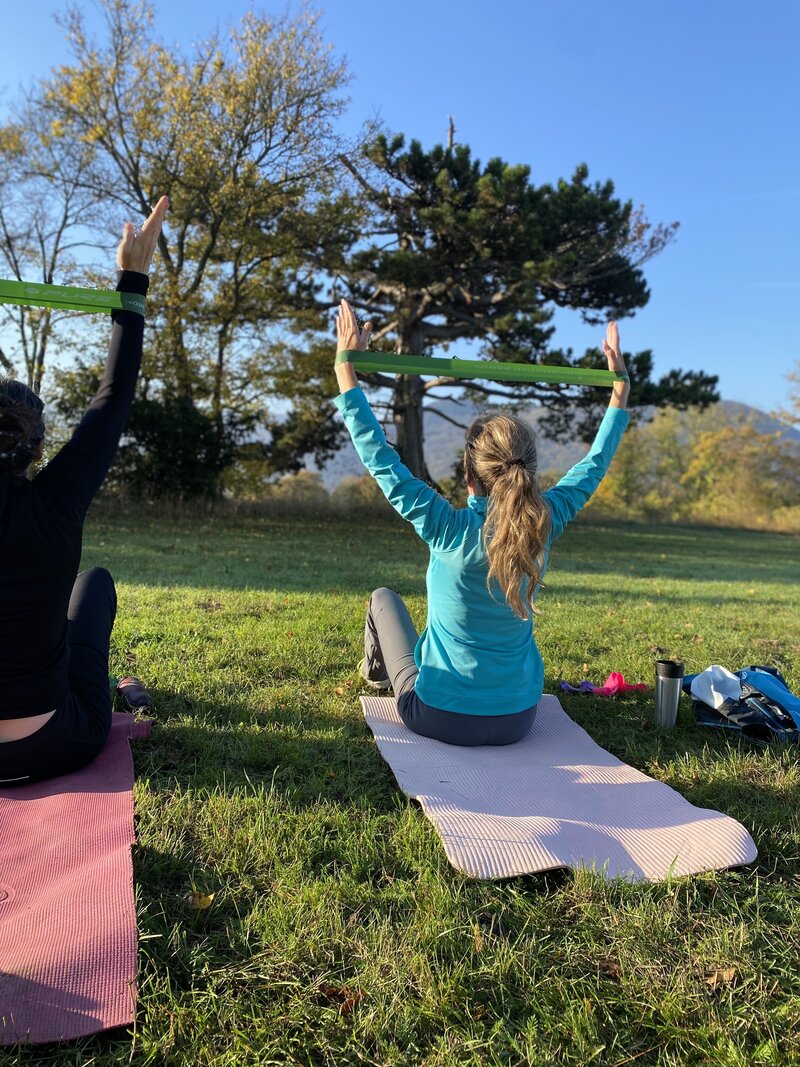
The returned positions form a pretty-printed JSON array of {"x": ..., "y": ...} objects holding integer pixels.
[{"x": 21, "y": 426}]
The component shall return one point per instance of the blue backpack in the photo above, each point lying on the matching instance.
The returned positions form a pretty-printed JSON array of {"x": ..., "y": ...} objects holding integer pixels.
[{"x": 767, "y": 710}]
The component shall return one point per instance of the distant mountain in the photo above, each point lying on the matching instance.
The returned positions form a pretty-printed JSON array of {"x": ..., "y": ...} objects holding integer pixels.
[
  {"x": 736, "y": 413},
  {"x": 444, "y": 441}
]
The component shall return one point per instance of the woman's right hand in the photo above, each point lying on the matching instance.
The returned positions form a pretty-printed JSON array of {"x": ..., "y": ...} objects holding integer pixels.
[
  {"x": 611, "y": 349},
  {"x": 135, "y": 250}
]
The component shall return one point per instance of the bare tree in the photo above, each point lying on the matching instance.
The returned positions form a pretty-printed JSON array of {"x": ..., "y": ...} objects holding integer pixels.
[{"x": 44, "y": 207}]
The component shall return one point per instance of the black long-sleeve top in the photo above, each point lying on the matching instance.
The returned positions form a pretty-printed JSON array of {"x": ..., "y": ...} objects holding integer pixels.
[{"x": 41, "y": 530}]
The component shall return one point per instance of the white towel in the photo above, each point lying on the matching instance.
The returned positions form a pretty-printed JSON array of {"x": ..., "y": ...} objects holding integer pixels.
[{"x": 715, "y": 685}]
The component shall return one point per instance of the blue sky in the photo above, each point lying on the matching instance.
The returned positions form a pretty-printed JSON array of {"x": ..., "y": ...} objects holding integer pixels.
[{"x": 690, "y": 108}]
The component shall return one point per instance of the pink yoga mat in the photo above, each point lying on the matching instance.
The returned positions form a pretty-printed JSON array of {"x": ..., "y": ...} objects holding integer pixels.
[{"x": 67, "y": 917}]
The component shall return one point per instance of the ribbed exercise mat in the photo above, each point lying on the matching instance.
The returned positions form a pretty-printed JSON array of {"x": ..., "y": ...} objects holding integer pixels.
[
  {"x": 554, "y": 799},
  {"x": 67, "y": 917}
]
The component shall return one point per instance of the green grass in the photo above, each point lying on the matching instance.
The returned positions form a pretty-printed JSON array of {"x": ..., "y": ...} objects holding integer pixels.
[{"x": 338, "y": 933}]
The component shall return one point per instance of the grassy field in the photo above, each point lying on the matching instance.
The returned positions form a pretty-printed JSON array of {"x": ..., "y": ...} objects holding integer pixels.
[{"x": 338, "y": 932}]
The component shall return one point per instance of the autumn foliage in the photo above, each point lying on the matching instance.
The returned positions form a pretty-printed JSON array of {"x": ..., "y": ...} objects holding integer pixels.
[{"x": 698, "y": 467}]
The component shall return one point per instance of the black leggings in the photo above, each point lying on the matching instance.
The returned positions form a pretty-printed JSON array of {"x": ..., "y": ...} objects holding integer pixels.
[
  {"x": 82, "y": 722},
  {"x": 389, "y": 641}
]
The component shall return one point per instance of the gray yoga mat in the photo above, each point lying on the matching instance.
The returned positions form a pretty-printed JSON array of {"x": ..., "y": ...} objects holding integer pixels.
[{"x": 555, "y": 799}]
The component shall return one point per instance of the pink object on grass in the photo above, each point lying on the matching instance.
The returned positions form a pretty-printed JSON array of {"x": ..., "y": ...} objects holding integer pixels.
[
  {"x": 615, "y": 683},
  {"x": 68, "y": 934}
]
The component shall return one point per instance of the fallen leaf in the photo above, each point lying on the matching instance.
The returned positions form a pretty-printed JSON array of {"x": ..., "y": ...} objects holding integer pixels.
[
  {"x": 585, "y": 668},
  {"x": 722, "y": 976},
  {"x": 698, "y": 639},
  {"x": 196, "y": 899},
  {"x": 608, "y": 968},
  {"x": 349, "y": 997},
  {"x": 338, "y": 690},
  {"x": 351, "y": 1001}
]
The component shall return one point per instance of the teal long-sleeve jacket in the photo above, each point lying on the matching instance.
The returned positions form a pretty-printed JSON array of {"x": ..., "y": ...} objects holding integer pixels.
[{"x": 475, "y": 656}]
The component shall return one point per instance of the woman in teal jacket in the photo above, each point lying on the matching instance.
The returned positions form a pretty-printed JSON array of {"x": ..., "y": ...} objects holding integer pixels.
[{"x": 475, "y": 675}]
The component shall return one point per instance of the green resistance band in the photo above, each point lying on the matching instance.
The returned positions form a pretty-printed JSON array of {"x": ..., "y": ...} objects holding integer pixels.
[
  {"x": 68, "y": 297},
  {"x": 477, "y": 368}
]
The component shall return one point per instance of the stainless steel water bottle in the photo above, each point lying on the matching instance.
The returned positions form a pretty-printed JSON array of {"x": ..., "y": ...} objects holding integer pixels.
[{"x": 669, "y": 677}]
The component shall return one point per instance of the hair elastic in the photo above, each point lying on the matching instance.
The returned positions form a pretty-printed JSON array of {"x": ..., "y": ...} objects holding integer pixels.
[{"x": 11, "y": 453}]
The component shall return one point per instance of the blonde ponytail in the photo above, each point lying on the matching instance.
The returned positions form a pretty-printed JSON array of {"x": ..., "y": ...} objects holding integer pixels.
[{"x": 500, "y": 458}]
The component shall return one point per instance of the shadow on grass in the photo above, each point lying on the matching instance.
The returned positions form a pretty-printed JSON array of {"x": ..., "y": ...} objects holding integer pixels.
[
  {"x": 319, "y": 762},
  {"x": 114, "y": 1043},
  {"x": 755, "y": 783},
  {"x": 334, "y": 556},
  {"x": 696, "y": 553},
  {"x": 557, "y": 587},
  {"x": 304, "y": 556},
  {"x": 305, "y": 755}
]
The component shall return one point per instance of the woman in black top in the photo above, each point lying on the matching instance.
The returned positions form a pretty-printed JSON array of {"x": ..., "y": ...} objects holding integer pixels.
[{"x": 55, "y": 705}]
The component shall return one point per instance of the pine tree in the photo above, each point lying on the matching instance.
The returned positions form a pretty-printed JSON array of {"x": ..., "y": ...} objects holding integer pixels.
[{"x": 455, "y": 252}]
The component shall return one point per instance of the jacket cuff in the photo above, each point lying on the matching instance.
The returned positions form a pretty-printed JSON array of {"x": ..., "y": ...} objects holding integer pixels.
[
  {"x": 617, "y": 416},
  {"x": 131, "y": 281},
  {"x": 350, "y": 400}
]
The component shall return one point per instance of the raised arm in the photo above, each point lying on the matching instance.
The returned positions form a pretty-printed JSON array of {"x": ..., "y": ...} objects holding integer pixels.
[
  {"x": 579, "y": 483},
  {"x": 77, "y": 472},
  {"x": 433, "y": 517}
]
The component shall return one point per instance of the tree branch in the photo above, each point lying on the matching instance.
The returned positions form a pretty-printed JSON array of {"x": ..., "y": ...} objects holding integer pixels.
[{"x": 441, "y": 415}]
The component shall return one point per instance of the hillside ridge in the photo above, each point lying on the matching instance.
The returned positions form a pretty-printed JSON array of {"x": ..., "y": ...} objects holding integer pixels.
[{"x": 444, "y": 440}]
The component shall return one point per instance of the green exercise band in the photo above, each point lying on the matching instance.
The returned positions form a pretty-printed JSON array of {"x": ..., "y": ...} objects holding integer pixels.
[
  {"x": 75, "y": 298},
  {"x": 68, "y": 297},
  {"x": 476, "y": 368}
]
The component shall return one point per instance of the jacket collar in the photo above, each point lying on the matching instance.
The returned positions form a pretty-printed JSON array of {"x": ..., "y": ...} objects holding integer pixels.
[{"x": 477, "y": 503}]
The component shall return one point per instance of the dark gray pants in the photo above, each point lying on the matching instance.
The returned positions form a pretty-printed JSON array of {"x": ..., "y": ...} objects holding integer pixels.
[
  {"x": 82, "y": 721},
  {"x": 389, "y": 641}
]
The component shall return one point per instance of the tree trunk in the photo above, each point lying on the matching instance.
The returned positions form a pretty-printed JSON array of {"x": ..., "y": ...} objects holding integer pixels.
[
  {"x": 219, "y": 375},
  {"x": 407, "y": 411},
  {"x": 174, "y": 347},
  {"x": 407, "y": 418}
]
